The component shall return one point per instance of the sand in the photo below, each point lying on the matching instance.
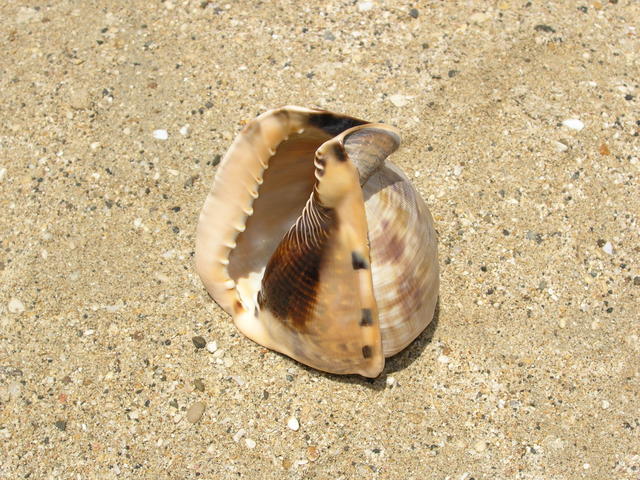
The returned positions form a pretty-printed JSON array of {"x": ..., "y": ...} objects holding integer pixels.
[{"x": 521, "y": 131}]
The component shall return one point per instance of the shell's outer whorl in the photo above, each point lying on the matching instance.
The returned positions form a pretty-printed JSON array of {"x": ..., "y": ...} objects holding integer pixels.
[{"x": 404, "y": 257}]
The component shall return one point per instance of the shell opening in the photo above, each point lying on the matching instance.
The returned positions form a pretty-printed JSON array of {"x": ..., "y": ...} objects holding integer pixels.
[{"x": 281, "y": 196}]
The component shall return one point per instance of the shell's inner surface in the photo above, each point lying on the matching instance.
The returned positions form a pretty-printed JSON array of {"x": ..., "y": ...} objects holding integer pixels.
[
  {"x": 316, "y": 247},
  {"x": 285, "y": 189}
]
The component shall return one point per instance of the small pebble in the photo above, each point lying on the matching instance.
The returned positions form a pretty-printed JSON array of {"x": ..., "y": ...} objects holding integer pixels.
[
  {"x": 199, "y": 342},
  {"x": 561, "y": 146},
  {"x": 479, "y": 17},
  {"x": 80, "y": 99},
  {"x": 239, "y": 434},
  {"x": 250, "y": 443},
  {"x": 3, "y": 172},
  {"x": 605, "y": 404},
  {"x": 195, "y": 411},
  {"x": 573, "y": 124},
  {"x": 312, "y": 453},
  {"x": 414, "y": 13},
  {"x": 184, "y": 130},
  {"x": 61, "y": 425},
  {"x": 555, "y": 443},
  {"x": 219, "y": 353},
  {"x": 391, "y": 381},
  {"x": 293, "y": 424},
  {"x": 608, "y": 248},
  {"x": 399, "y": 100},
  {"x": 198, "y": 384},
  {"x": 480, "y": 446},
  {"x": 15, "y": 306},
  {"x": 212, "y": 346},
  {"x": 365, "y": 6},
  {"x": 160, "y": 134},
  {"x": 13, "y": 389},
  {"x": 444, "y": 359}
]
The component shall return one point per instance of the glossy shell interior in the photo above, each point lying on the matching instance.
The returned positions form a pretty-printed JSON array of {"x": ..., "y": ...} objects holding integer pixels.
[{"x": 363, "y": 310}]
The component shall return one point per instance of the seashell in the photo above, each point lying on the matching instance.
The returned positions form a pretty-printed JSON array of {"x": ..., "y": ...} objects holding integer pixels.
[{"x": 316, "y": 245}]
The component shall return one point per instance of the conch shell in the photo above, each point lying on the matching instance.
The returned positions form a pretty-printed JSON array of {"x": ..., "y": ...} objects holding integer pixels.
[{"x": 315, "y": 245}]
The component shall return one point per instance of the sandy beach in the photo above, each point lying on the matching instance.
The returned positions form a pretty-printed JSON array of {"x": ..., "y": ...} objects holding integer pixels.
[{"x": 521, "y": 130}]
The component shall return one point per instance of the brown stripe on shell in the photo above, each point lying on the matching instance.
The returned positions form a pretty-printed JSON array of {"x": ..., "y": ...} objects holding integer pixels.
[
  {"x": 290, "y": 283},
  {"x": 366, "y": 351}
]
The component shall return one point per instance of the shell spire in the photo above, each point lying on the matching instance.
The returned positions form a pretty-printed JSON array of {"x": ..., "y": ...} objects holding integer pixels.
[{"x": 368, "y": 146}]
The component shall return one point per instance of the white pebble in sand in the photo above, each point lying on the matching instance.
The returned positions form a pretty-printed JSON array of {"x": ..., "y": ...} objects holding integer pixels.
[
  {"x": 212, "y": 346},
  {"x": 3, "y": 172},
  {"x": 399, "y": 100},
  {"x": 14, "y": 388},
  {"x": 160, "y": 134},
  {"x": 573, "y": 124},
  {"x": 480, "y": 446},
  {"x": 250, "y": 443},
  {"x": 444, "y": 359},
  {"x": 15, "y": 306},
  {"x": 561, "y": 146},
  {"x": 608, "y": 248},
  {"x": 239, "y": 434},
  {"x": 293, "y": 424}
]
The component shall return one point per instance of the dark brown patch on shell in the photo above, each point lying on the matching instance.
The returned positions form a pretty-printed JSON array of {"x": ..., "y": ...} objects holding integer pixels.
[
  {"x": 339, "y": 152},
  {"x": 290, "y": 283},
  {"x": 367, "y": 319},
  {"x": 366, "y": 351},
  {"x": 358, "y": 261},
  {"x": 333, "y": 124}
]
